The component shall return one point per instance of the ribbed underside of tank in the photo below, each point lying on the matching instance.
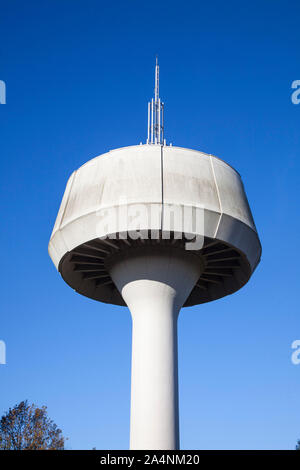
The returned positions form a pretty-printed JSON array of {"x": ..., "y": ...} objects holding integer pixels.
[{"x": 86, "y": 267}]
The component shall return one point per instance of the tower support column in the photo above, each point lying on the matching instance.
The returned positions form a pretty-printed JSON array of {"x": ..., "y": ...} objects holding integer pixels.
[
  {"x": 154, "y": 422},
  {"x": 155, "y": 286}
]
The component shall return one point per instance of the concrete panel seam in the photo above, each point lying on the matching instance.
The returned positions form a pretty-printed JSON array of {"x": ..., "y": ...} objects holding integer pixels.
[
  {"x": 162, "y": 186},
  {"x": 218, "y": 194}
]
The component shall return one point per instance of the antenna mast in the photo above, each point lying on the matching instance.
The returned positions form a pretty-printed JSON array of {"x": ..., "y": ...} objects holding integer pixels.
[{"x": 155, "y": 134}]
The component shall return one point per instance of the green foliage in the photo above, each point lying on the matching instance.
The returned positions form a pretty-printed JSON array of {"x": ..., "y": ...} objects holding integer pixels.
[
  {"x": 298, "y": 445},
  {"x": 26, "y": 427}
]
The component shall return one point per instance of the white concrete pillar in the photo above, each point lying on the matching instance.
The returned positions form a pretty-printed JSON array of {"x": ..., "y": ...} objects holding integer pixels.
[{"x": 155, "y": 285}]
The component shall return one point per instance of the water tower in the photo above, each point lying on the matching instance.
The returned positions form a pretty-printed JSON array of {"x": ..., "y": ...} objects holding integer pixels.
[{"x": 155, "y": 227}]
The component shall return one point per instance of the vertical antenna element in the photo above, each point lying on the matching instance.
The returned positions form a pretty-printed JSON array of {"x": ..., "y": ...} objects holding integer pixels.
[{"x": 155, "y": 133}]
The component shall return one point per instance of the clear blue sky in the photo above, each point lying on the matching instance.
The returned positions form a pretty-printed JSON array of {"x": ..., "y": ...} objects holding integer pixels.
[{"x": 79, "y": 75}]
